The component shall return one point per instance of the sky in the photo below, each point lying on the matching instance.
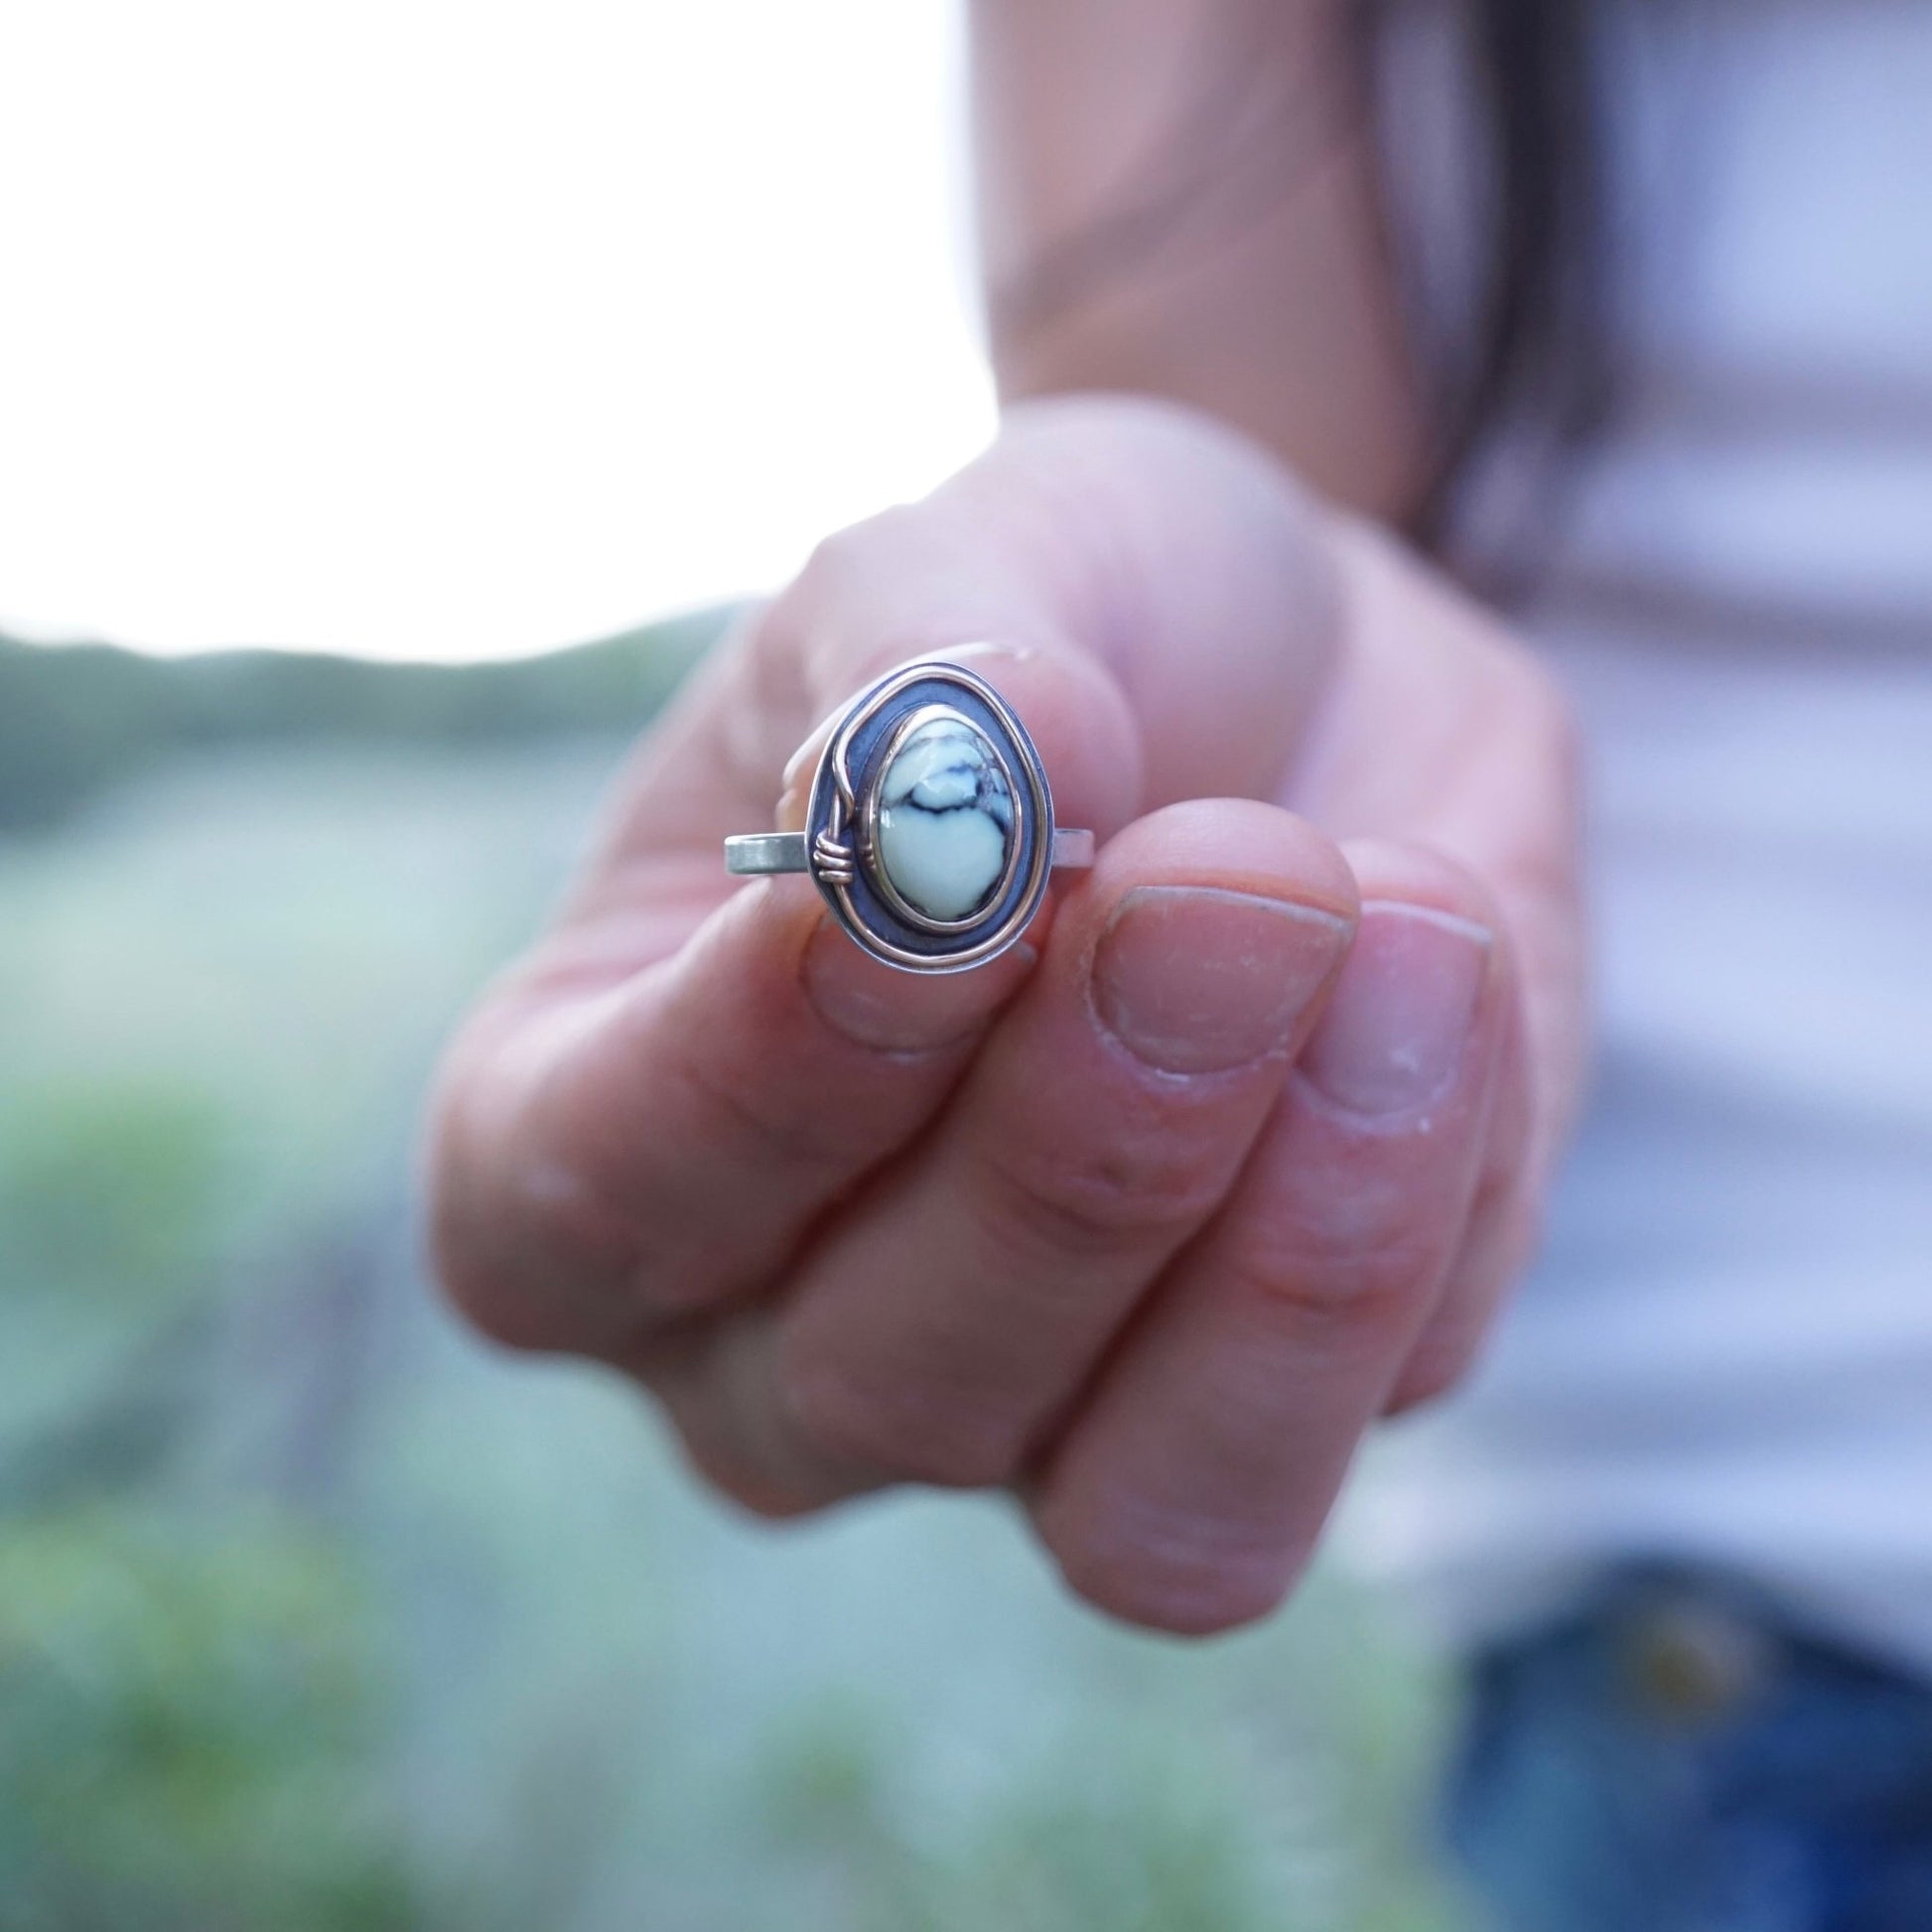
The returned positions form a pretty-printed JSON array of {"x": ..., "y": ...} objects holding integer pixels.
[{"x": 415, "y": 329}]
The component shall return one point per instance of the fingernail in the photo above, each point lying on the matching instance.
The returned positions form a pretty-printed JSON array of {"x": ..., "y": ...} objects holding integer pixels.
[
  {"x": 876, "y": 1006},
  {"x": 1398, "y": 1022},
  {"x": 1194, "y": 979}
]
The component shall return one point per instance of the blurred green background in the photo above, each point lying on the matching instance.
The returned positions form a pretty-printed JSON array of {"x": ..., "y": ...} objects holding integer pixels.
[{"x": 317, "y": 1615}]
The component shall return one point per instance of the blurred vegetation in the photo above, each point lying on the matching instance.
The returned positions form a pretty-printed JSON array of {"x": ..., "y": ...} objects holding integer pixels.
[
  {"x": 188, "y": 1725},
  {"x": 77, "y": 719},
  {"x": 156, "y": 1234},
  {"x": 318, "y": 1616}
]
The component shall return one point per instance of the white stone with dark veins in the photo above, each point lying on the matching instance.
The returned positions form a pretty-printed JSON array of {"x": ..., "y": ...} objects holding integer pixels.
[{"x": 945, "y": 820}]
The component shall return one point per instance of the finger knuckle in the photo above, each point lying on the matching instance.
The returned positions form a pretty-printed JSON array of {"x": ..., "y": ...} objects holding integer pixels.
[
  {"x": 849, "y": 557},
  {"x": 764, "y": 1505},
  {"x": 755, "y": 1492},
  {"x": 772, "y": 1128},
  {"x": 895, "y": 1429},
  {"x": 1188, "y": 1577},
  {"x": 822, "y": 581},
  {"x": 533, "y": 1268},
  {"x": 823, "y": 624},
  {"x": 1130, "y": 1195},
  {"x": 485, "y": 1297},
  {"x": 1345, "y": 1273},
  {"x": 1437, "y": 1368}
]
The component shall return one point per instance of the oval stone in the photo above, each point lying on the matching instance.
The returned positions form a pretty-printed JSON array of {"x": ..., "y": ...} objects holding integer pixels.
[{"x": 945, "y": 820}]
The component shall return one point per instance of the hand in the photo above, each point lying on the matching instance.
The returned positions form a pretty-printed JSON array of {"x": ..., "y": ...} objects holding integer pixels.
[{"x": 1151, "y": 1218}]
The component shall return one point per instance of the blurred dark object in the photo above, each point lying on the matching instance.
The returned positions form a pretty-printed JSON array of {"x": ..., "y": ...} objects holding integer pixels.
[
  {"x": 77, "y": 719},
  {"x": 1679, "y": 1753}
]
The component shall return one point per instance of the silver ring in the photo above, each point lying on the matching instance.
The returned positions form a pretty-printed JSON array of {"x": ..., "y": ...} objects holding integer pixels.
[{"x": 929, "y": 830}]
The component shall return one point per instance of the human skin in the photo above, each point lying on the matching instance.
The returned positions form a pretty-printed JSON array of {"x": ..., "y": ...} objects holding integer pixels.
[{"x": 1148, "y": 1221}]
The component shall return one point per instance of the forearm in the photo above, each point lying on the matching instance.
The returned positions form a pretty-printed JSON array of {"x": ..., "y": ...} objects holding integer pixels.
[{"x": 1180, "y": 197}]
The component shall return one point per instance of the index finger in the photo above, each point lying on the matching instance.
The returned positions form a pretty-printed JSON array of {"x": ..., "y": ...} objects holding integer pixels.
[{"x": 615, "y": 1150}]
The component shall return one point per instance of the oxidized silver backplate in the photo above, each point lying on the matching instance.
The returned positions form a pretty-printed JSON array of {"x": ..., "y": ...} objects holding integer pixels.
[{"x": 929, "y": 827}]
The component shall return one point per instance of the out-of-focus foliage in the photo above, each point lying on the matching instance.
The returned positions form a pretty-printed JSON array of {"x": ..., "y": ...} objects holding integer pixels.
[
  {"x": 188, "y": 1729},
  {"x": 155, "y": 1234},
  {"x": 76, "y": 720},
  {"x": 316, "y": 1615}
]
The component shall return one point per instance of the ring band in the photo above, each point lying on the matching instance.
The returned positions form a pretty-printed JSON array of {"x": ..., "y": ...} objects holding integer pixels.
[
  {"x": 929, "y": 828},
  {"x": 756, "y": 855}
]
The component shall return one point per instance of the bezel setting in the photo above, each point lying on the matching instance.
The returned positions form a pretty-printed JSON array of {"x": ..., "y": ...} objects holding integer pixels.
[{"x": 842, "y": 822}]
